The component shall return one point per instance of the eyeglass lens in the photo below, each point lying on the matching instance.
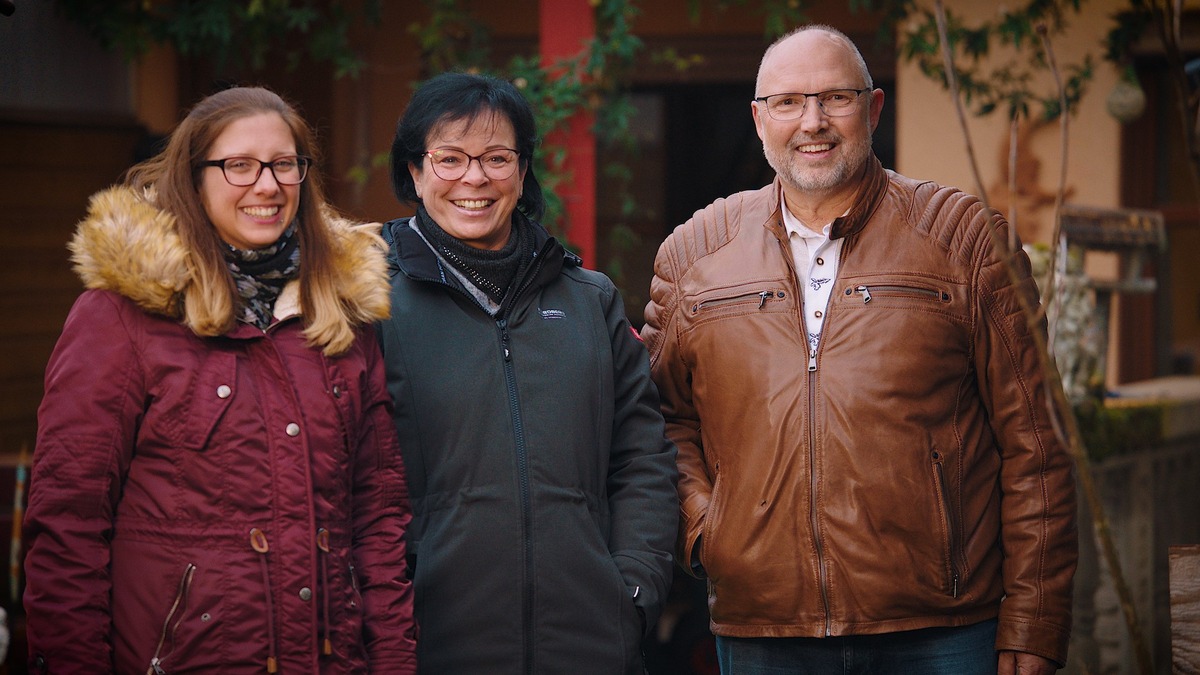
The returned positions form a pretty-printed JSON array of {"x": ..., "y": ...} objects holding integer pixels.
[
  {"x": 451, "y": 164},
  {"x": 835, "y": 103},
  {"x": 245, "y": 171}
]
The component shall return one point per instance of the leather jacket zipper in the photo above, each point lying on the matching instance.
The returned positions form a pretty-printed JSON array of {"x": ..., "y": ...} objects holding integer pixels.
[
  {"x": 951, "y": 528},
  {"x": 763, "y": 297},
  {"x": 898, "y": 290},
  {"x": 168, "y": 629},
  {"x": 812, "y": 503}
]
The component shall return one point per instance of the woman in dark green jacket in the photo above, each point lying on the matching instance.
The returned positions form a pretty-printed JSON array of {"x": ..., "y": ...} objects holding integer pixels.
[{"x": 542, "y": 487}]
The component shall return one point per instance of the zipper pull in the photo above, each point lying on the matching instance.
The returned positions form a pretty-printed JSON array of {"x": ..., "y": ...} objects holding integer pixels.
[
  {"x": 157, "y": 668},
  {"x": 812, "y": 361},
  {"x": 503, "y": 324},
  {"x": 866, "y": 293},
  {"x": 762, "y": 298}
]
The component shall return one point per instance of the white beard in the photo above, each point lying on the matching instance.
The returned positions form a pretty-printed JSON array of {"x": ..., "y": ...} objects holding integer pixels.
[{"x": 848, "y": 161}]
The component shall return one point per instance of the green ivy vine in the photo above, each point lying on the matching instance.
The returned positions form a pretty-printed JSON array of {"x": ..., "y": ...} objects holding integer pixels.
[
  {"x": 233, "y": 32},
  {"x": 986, "y": 86},
  {"x": 592, "y": 81}
]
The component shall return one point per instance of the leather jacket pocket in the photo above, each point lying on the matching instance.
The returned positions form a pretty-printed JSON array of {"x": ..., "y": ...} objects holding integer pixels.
[
  {"x": 908, "y": 290},
  {"x": 949, "y": 524},
  {"x": 707, "y": 536},
  {"x": 747, "y": 299}
]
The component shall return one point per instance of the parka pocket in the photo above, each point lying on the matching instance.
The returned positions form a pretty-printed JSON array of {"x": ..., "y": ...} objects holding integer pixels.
[
  {"x": 166, "y": 640},
  {"x": 213, "y": 391}
]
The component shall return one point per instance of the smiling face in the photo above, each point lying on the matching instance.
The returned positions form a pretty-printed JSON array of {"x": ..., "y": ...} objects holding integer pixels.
[
  {"x": 253, "y": 216},
  {"x": 816, "y": 154},
  {"x": 474, "y": 209}
]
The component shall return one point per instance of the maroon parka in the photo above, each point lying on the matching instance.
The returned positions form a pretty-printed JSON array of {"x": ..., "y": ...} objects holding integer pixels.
[{"x": 211, "y": 504}]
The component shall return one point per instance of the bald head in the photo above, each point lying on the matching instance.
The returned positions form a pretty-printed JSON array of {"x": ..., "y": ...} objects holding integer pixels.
[{"x": 792, "y": 49}]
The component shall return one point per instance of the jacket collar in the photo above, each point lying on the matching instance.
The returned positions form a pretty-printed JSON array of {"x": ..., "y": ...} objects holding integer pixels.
[
  {"x": 870, "y": 194},
  {"x": 409, "y": 254}
]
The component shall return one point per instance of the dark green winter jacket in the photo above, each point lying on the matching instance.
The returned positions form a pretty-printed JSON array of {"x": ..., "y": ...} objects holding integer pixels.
[{"x": 542, "y": 486}]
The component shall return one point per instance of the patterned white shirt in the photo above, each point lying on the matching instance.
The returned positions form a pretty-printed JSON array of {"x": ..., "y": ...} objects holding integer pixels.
[{"x": 816, "y": 259}]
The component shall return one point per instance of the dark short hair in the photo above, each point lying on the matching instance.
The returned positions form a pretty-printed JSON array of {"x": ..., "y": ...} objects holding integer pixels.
[{"x": 452, "y": 97}]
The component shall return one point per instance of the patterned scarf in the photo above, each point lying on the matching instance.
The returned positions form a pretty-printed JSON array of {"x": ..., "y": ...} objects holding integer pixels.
[{"x": 261, "y": 274}]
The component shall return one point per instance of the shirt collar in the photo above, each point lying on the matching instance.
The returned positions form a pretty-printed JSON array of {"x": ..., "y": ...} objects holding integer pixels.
[{"x": 793, "y": 225}]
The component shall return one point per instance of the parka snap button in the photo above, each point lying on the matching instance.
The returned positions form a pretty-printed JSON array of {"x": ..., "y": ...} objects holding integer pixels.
[
  {"x": 224, "y": 391},
  {"x": 337, "y": 391},
  {"x": 293, "y": 429},
  {"x": 206, "y": 617},
  {"x": 306, "y": 594}
]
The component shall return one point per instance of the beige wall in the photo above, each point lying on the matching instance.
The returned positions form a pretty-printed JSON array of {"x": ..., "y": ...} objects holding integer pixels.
[{"x": 930, "y": 142}]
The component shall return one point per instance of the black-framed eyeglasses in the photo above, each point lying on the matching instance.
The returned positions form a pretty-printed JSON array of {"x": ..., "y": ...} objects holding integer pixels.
[
  {"x": 245, "y": 171},
  {"x": 450, "y": 164},
  {"x": 833, "y": 102}
]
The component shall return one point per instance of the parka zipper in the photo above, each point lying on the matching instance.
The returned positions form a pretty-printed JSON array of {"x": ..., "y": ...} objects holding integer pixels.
[
  {"x": 898, "y": 289},
  {"x": 522, "y": 450},
  {"x": 763, "y": 297},
  {"x": 522, "y": 457},
  {"x": 168, "y": 629},
  {"x": 951, "y": 526}
]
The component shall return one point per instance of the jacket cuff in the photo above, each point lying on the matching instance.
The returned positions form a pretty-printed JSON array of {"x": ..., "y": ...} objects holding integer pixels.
[{"x": 1033, "y": 637}]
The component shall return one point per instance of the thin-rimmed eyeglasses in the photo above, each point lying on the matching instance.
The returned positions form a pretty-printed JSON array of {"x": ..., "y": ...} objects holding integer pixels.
[{"x": 833, "y": 102}]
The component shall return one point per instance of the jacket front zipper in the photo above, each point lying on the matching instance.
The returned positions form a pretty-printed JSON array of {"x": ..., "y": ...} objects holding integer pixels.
[
  {"x": 514, "y": 407},
  {"x": 169, "y": 628},
  {"x": 814, "y": 522}
]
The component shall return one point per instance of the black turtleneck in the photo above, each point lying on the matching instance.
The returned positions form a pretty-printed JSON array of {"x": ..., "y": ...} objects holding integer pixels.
[{"x": 490, "y": 271}]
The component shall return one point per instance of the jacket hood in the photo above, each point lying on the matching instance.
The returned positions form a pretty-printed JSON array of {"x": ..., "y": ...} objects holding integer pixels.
[{"x": 129, "y": 246}]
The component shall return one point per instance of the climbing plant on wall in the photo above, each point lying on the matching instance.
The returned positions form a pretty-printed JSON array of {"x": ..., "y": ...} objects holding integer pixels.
[
  {"x": 243, "y": 32},
  {"x": 592, "y": 81}
]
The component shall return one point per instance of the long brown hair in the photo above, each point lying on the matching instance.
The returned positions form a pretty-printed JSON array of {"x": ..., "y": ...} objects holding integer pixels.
[{"x": 171, "y": 180}]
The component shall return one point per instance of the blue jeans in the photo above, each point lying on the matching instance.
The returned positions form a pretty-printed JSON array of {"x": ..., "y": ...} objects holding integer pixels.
[{"x": 965, "y": 650}]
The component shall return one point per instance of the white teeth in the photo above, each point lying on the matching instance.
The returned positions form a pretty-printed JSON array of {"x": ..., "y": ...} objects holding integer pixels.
[
  {"x": 816, "y": 147},
  {"x": 261, "y": 211},
  {"x": 472, "y": 203}
]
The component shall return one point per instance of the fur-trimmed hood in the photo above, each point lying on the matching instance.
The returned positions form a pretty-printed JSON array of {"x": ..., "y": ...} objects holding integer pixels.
[{"x": 129, "y": 246}]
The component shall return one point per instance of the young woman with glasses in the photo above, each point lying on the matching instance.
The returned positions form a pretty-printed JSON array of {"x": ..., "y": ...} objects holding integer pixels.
[{"x": 217, "y": 485}]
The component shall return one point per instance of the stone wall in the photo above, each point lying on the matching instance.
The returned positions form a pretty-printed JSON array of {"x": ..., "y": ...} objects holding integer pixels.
[{"x": 1151, "y": 497}]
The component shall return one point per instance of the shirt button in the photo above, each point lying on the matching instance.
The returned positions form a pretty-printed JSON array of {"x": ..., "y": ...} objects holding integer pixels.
[
  {"x": 293, "y": 429},
  {"x": 818, "y": 314},
  {"x": 820, "y": 260},
  {"x": 306, "y": 594},
  {"x": 224, "y": 391}
]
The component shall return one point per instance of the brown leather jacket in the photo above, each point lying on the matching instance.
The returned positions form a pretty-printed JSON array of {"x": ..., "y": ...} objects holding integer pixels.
[{"x": 910, "y": 478}]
